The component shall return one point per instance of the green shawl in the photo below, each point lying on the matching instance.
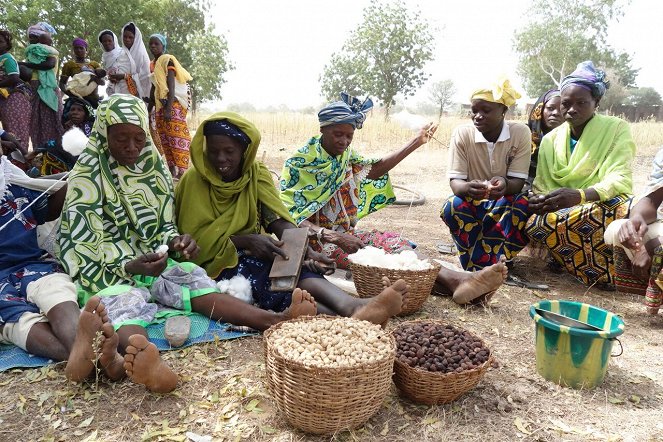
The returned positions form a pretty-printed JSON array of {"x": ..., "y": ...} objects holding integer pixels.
[
  {"x": 112, "y": 213},
  {"x": 311, "y": 177},
  {"x": 38, "y": 53},
  {"x": 212, "y": 210},
  {"x": 601, "y": 159}
]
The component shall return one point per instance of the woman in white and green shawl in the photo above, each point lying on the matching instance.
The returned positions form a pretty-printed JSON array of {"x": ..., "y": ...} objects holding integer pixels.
[
  {"x": 117, "y": 233},
  {"x": 327, "y": 186}
]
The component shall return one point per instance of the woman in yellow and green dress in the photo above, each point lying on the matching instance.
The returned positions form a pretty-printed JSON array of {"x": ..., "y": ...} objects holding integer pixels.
[{"x": 583, "y": 181}]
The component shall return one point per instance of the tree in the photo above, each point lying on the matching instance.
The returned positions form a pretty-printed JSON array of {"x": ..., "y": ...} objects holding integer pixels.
[
  {"x": 645, "y": 96},
  {"x": 383, "y": 57},
  {"x": 441, "y": 94},
  {"x": 182, "y": 21},
  {"x": 554, "y": 42}
]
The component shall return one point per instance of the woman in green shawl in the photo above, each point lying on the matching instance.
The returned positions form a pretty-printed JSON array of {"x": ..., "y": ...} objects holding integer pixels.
[
  {"x": 117, "y": 238},
  {"x": 583, "y": 181},
  {"x": 226, "y": 202}
]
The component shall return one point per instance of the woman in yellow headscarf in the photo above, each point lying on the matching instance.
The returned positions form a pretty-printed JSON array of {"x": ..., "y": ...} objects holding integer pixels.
[{"x": 488, "y": 164}]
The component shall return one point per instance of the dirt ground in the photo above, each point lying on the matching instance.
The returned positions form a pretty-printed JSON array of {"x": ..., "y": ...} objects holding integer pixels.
[{"x": 222, "y": 393}]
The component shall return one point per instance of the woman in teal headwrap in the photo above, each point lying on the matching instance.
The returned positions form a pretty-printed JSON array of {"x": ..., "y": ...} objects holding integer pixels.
[
  {"x": 328, "y": 186},
  {"x": 583, "y": 181},
  {"x": 118, "y": 215},
  {"x": 42, "y": 58}
]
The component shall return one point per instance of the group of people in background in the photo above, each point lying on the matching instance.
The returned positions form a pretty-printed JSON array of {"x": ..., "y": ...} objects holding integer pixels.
[
  {"x": 31, "y": 93},
  {"x": 134, "y": 249}
]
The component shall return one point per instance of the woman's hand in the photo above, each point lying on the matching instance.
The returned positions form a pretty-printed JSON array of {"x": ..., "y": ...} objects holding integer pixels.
[
  {"x": 263, "y": 247},
  {"x": 167, "y": 112},
  {"x": 425, "y": 134},
  {"x": 497, "y": 187},
  {"x": 186, "y": 245},
  {"x": 150, "y": 264},
  {"x": 347, "y": 242},
  {"x": 318, "y": 263},
  {"x": 536, "y": 203},
  {"x": 641, "y": 263},
  {"x": 561, "y": 199},
  {"x": 632, "y": 232}
]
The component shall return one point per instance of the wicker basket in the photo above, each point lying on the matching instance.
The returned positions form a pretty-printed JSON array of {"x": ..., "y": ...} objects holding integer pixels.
[
  {"x": 625, "y": 280},
  {"x": 368, "y": 280},
  {"x": 434, "y": 388},
  {"x": 326, "y": 400}
]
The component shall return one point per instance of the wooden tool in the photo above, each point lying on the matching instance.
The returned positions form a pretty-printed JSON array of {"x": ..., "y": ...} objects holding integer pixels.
[{"x": 285, "y": 273}]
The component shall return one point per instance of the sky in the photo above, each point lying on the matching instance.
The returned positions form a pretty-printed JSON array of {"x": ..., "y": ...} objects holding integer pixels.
[{"x": 279, "y": 48}]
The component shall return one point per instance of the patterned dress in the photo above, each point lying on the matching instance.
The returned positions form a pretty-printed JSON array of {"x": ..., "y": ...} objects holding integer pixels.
[
  {"x": 15, "y": 103},
  {"x": 335, "y": 193}
]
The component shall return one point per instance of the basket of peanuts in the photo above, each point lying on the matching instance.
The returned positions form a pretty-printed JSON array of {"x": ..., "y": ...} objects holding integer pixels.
[
  {"x": 327, "y": 374},
  {"x": 436, "y": 362},
  {"x": 371, "y": 265}
]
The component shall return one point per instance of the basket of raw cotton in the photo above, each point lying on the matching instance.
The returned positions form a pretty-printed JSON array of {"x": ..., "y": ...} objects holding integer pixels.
[
  {"x": 328, "y": 374},
  {"x": 370, "y": 265}
]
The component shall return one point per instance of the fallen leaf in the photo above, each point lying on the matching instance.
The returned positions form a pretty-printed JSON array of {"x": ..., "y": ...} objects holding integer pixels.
[
  {"x": 92, "y": 437},
  {"x": 252, "y": 405},
  {"x": 268, "y": 430},
  {"x": 385, "y": 430},
  {"x": 615, "y": 400},
  {"x": 430, "y": 421},
  {"x": 86, "y": 422},
  {"x": 634, "y": 398},
  {"x": 521, "y": 426}
]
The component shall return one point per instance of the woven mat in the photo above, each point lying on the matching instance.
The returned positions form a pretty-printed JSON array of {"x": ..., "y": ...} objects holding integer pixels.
[{"x": 202, "y": 330}]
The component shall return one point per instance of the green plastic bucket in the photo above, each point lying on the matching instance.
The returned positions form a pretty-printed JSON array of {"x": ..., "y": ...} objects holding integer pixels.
[{"x": 572, "y": 356}]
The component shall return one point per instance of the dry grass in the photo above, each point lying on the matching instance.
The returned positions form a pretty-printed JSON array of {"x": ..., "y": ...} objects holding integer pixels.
[{"x": 222, "y": 393}]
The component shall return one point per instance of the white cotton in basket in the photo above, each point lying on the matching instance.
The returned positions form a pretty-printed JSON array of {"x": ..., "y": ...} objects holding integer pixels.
[
  {"x": 406, "y": 260},
  {"x": 237, "y": 286}
]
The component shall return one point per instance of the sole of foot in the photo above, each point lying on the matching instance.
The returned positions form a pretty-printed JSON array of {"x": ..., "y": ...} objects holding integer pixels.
[
  {"x": 302, "y": 304},
  {"x": 144, "y": 365},
  {"x": 89, "y": 340},
  {"x": 111, "y": 362},
  {"x": 481, "y": 284},
  {"x": 385, "y": 305}
]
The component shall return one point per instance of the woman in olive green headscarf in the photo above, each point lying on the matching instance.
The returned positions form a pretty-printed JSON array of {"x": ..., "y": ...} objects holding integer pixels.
[{"x": 227, "y": 199}]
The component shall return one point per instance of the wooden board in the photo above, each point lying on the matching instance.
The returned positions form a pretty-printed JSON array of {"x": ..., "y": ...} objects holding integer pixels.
[{"x": 285, "y": 273}]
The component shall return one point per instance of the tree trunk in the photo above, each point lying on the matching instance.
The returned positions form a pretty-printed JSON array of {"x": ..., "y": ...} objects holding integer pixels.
[{"x": 441, "y": 110}]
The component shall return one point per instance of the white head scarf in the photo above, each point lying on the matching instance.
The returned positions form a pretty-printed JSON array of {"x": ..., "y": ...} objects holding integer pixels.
[
  {"x": 115, "y": 58},
  {"x": 140, "y": 57}
]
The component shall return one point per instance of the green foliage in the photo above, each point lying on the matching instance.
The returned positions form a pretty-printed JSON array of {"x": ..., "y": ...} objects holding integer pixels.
[
  {"x": 441, "y": 93},
  {"x": 561, "y": 34},
  {"x": 183, "y": 22},
  {"x": 645, "y": 96},
  {"x": 383, "y": 57}
]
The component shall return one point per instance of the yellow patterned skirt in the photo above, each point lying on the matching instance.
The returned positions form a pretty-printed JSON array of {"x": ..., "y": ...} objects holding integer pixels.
[{"x": 574, "y": 237}]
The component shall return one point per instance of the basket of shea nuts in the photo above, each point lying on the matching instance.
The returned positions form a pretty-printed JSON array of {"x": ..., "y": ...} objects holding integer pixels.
[
  {"x": 436, "y": 362},
  {"x": 328, "y": 374}
]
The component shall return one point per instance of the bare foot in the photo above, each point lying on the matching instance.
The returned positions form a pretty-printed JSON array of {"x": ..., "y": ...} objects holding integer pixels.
[
  {"x": 652, "y": 311},
  {"x": 302, "y": 304},
  {"x": 478, "y": 284},
  {"x": 385, "y": 305},
  {"x": 144, "y": 366},
  {"x": 89, "y": 340},
  {"x": 111, "y": 362}
]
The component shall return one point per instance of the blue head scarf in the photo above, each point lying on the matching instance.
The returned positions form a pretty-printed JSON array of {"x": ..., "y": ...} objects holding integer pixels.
[
  {"x": 162, "y": 39},
  {"x": 349, "y": 110},
  {"x": 587, "y": 77},
  {"x": 225, "y": 127}
]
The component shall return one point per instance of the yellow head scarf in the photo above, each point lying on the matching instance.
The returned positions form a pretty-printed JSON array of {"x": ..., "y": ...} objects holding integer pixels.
[
  {"x": 211, "y": 210},
  {"x": 500, "y": 92}
]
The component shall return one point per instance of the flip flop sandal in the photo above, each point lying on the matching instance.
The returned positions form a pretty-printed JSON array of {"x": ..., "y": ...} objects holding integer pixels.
[
  {"x": 447, "y": 249},
  {"x": 515, "y": 281}
]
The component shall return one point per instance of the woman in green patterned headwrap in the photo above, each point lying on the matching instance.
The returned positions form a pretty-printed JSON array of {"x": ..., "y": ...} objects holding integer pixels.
[
  {"x": 327, "y": 186},
  {"x": 117, "y": 215}
]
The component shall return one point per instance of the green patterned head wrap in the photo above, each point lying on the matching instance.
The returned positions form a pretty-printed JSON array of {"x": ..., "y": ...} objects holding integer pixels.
[{"x": 114, "y": 213}]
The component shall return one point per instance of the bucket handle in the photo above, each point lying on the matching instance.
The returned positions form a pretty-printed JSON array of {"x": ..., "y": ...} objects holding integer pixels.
[{"x": 621, "y": 348}]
